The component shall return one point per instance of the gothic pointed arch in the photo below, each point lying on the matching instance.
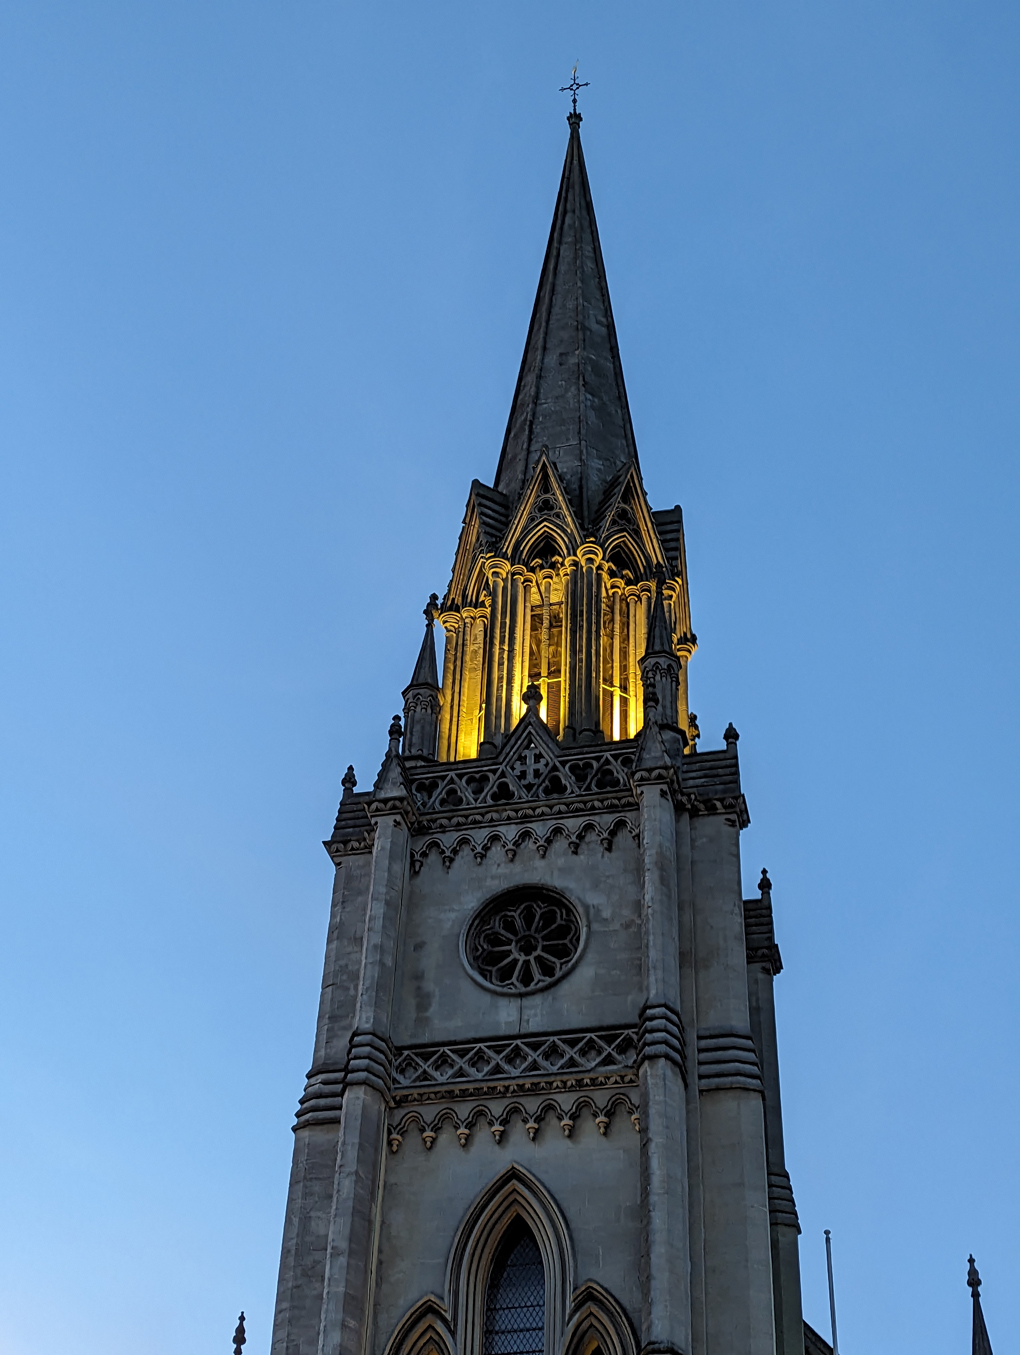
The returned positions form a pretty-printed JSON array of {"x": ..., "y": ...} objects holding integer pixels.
[
  {"x": 423, "y": 1330},
  {"x": 514, "y": 1199},
  {"x": 598, "y": 1322}
]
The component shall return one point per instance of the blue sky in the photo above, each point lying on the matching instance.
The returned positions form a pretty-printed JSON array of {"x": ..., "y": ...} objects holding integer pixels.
[{"x": 266, "y": 275}]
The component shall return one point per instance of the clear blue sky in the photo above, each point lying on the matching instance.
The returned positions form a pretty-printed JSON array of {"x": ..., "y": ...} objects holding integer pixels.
[{"x": 266, "y": 274}]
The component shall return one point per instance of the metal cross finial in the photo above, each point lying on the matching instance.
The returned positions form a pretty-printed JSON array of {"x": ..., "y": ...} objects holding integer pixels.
[{"x": 574, "y": 86}]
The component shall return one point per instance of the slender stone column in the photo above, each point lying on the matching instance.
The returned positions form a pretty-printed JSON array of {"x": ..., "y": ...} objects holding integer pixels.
[
  {"x": 568, "y": 651},
  {"x": 665, "y": 1271},
  {"x": 738, "y": 1264},
  {"x": 589, "y": 653},
  {"x": 634, "y": 652},
  {"x": 512, "y": 684},
  {"x": 763, "y": 964},
  {"x": 497, "y": 571},
  {"x": 350, "y": 1257},
  {"x": 615, "y": 587},
  {"x": 469, "y": 659},
  {"x": 524, "y": 664},
  {"x": 646, "y": 592},
  {"x": 451, "y": 623},
  {"x": 546, "y": 579}
]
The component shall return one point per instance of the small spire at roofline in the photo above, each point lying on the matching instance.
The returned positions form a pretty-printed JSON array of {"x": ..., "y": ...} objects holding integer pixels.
[
  {"x": 422, "y": 695},
  {"x": 660, "y": 633},
  {"x": 239, "y": 1337},
  {"x": 395, "y": 735}
]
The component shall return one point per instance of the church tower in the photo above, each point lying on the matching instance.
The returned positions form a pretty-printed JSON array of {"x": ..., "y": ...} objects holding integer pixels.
[{"x": 543, "y": 1112}]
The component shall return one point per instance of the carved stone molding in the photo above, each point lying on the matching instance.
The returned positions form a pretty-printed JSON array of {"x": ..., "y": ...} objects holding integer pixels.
[
  {"x": 768, "y": 956},
  {"x": 727, "y": 1060},
  {"x": 534, "y": 772},
  {"x": 338, "y": 850},
  {"x": 464, "y": 1122},
  {"x": 567, "y": 1086},
  {"x": 661, "y": 1036},
  {"x": 479, "y": 846},
  {"x": 782, "y": 1206},
  {"x": 574, "y": 1052},
  {"x": 717, "y": 804},
  {"x": 530, "y": 812},
  {"x": 369, "y": 1063}
]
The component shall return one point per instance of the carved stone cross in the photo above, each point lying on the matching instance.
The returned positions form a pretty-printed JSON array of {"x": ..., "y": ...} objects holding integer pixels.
[{"x": 530, "y": 767}]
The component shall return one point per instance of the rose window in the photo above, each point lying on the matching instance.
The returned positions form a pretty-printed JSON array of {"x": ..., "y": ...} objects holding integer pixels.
[{"x": 523, "y": 940}]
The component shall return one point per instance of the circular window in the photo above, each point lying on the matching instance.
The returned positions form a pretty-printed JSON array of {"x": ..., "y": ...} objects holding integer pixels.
[{"x": 523, "y": 940}]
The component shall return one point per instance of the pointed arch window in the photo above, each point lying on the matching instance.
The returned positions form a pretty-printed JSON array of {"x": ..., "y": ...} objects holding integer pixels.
[{"x": 515, "y": 1297}]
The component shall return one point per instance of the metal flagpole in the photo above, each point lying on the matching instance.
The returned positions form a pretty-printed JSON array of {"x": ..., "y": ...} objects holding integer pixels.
[{"x": 832, "y": 1292}]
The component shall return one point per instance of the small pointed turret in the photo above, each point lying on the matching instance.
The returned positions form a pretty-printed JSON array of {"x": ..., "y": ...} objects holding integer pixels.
[
  {"x": 570, "y": 394},
  {"x": 979, "y": 1342},
  {"x": 660, "y": 666},
  {"x": 423, "y": 697}
]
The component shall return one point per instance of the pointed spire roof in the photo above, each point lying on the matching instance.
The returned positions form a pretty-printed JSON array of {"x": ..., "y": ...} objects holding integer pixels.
[
  {"x": 979, "y": 1342},
  {"x": 660, "y": 635},
  {"x": 426, "y": 673},
  {"x": 570, "y": 395}
]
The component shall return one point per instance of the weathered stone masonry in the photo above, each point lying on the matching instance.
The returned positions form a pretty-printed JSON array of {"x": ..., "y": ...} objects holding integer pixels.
[{"x": 543, "y": 1113}]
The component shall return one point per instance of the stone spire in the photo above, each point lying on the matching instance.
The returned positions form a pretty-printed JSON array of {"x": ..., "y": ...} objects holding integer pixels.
[
  {"x": 979, "y": 1342},
  {"x": 422, "y": 695},
  {"x": 570, "y": 395}
]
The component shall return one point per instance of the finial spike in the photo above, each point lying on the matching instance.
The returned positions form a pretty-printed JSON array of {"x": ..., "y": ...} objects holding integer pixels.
[
  {"x": 396, "y": 733},
  {"x": 349, "y": 781},
  {"x": 973, "y": 1278},
  {"x": 980, "y": 1344},
  {"x": 764, "y": 884},
  {"x": 239, "y": 1336}
]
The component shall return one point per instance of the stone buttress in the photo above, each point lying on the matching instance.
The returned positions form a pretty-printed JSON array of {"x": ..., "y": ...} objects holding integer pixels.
[{"x": 543, "y": 1112}]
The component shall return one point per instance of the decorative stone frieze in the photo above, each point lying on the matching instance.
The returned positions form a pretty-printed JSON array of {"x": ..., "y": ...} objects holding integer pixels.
[
  {"x": 573, "y": 1052},
  {"x": 496, "y": 1121},
  {"x": 479, "y": 846},
  {"x": 533, "y": 773}
]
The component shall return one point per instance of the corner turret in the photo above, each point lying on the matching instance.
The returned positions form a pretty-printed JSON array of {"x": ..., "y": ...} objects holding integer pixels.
[{"x": 423, "y": 697}]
